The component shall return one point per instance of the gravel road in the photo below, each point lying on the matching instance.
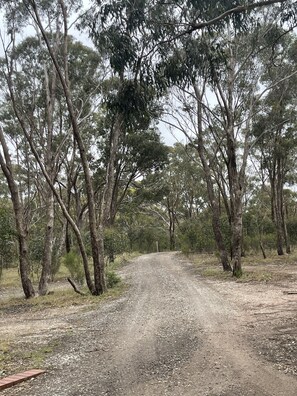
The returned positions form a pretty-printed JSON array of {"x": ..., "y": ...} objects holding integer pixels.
[{"x": 171, "y": 333}]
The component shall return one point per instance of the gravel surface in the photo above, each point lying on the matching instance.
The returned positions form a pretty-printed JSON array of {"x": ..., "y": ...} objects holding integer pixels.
[{"x": 172, "y": 333}]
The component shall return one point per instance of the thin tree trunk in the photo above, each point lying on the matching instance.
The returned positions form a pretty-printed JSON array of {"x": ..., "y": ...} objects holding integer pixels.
[
  {"x": 214, "y": 204},
  {"x": 50, "y": 89},
  {"x": 237, "y": 238},
  {"x": 97, "y": 237},
  {"x": 171, "y": 227},
  {"x": 107, "y": 198},
  {"x": 263, "y": 250},
  {"x": 48, "y": 245},
  {"x": 6, "y": 166},
  {"x": 58, "y": 251},
  {"x": 277, "y": 218}
]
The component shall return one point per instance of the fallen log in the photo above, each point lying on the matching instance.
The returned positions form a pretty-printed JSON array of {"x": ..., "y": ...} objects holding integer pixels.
[
  {"x": 290, "y": 292},
  {"x": 75, "y": 287}
]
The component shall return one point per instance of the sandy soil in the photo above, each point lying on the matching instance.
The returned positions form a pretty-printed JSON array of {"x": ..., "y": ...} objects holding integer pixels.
[{"x": 172, "y": 333}]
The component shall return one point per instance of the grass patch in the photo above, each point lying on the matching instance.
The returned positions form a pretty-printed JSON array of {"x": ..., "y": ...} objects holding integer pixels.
[
  {"x": 217, "y": 273},
  {"x": 121, "y": 260},
  {"x": 58, "y": 299},
  {"x": 255, "y": 268},
  {"x": 272, "y": 259},
  {"x": 62, "y": 273},
  {"x": 256, "y": 276},
  {"x": 203, "y": 260},
  {"x": 16, "y": 356},
  {"x": 19, "y": 354},
  {"x": 10, "y": 278}
]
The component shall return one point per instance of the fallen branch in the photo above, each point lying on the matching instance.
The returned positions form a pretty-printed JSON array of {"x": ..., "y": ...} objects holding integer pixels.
[
  {"x": 75, "y": 287},
  {"x": 290, "y": 292}
]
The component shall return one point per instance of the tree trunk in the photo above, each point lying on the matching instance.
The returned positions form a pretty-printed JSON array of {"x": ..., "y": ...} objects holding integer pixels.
[
  {"x": 216, "y": 226},
  {"x": 237, "y": 238},
  {"x": 108, "y": 196},
  {"x": 48, "y": 245},
  {"x": 50, "y": 89},
  {"x": 282, "y": 207},
  {"x": 6, "y": 166},
  {"x": 97, "y": 237},
  {"x": 214, "y": 203},
  {"x": 172, "y": 233},
  {"x": 276, "y": 213},
  {"x": 263, "y": 250}
]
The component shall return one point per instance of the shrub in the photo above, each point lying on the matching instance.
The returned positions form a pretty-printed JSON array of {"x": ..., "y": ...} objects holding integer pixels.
[
  {"x": 73, "y": 263},
  {"x": 112, "y": 279},
  {"x": 196, "y": 236},
  {"x": 115, "y": 242},
  {"x": 7, "y": 236}
]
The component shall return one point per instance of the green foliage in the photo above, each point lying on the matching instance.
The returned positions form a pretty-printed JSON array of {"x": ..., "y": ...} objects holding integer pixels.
[
  {"x": 73, "y": 263},
  {"x": 7, "y": 236},
  {"x": 115, "y": 242},
  {"x": 112, "y": 279},
  {"x": 146, "y": 237},
  {"x": 196, "y": 236},
  {"x": 292, "y": 230}
]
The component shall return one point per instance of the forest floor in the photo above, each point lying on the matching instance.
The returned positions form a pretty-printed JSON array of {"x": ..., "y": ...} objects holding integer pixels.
[{"x": 180, "y": 328}]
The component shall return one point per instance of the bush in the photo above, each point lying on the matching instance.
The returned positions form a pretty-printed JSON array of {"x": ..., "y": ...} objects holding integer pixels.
[
  {"x": 73, "y": 263},
  {"x": 197, "y": 236},
  {"x": 112, "y": 279},
  {"x": 292, "y": 230},
  {"x": 144, "y": 239},
  {"x": 7, "y": 236},
  {"x": 115, "y": 242}
]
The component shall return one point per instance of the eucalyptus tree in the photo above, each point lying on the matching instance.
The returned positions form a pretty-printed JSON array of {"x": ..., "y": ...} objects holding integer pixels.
[
  {"x": 55, "y": 46},
  {"x": 18, "y": 208},
  {"x": 183, "y": 188},
  {"x": 121, "y": 35},
  {"x": 216, "y": 79},
  {"x": 140, "y": 153},
  {"x": 275, "y": 130}
]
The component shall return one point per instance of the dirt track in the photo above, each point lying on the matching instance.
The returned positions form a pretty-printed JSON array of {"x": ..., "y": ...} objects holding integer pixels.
[{"x": 172, "y": 333}]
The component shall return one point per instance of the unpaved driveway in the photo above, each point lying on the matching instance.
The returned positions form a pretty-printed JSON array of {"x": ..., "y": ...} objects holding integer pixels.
[{"x": 172, "y": 333}]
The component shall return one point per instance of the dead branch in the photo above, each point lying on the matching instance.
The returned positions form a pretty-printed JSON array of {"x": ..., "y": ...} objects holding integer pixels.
[
  {"x": 75, "y": 287},
  {"x": 290, "y": 292}
]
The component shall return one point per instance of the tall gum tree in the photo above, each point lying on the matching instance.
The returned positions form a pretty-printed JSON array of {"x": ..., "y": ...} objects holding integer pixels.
[
  {"x": 119, "y": 33},
  {"x": 96, "y": 232},
  {"x": 218, "y": 96},
  {"x": 274, "y": 130},
  {"x": 24, "y": 125},
  {"x": 22, "y": 234}
]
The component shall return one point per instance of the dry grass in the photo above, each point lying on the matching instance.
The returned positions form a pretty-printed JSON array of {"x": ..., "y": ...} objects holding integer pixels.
[
  {"x": 17, "y": 356},
  {"x": 273, "y": 269},
  {"x": 62, "y": 296},
  {"x": 10, "y": 278}
]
